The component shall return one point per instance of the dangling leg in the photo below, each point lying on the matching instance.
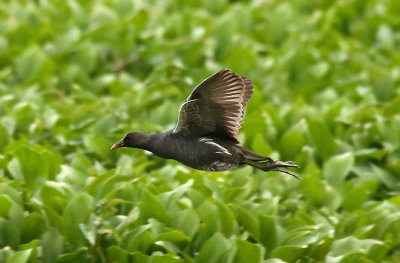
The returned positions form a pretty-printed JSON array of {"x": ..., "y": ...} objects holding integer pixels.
[{"x": 273, "y": 165}]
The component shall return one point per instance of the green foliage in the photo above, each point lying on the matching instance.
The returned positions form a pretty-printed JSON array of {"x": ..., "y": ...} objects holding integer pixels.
[{"x": 75, "y": 76}]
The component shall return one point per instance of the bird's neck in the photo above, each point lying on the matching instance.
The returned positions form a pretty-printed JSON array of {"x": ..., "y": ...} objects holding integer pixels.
[
  {"x": 150, "y": 142},
  {"x": 144, "y": 142}
]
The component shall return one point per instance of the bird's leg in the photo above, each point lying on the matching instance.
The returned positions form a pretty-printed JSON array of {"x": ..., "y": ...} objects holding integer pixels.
[{"x": 274, "y": 165}]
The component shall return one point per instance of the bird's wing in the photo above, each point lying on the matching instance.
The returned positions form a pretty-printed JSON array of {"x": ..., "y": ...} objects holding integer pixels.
[{"x": 216, "y": 106}]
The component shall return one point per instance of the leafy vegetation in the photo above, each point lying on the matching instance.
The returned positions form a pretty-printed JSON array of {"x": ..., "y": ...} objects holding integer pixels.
[{"x": 75, "y": 76}]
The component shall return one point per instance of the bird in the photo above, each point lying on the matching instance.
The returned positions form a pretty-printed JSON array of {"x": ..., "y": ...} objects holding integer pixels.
[{"x": 204, "y": 137}]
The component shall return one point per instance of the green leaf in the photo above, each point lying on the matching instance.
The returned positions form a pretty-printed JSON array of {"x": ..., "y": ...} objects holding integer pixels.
[
  {"x": 291, "y": 144},
  {"x": 175, "y": 237},
  {"x": 268, "y": 232},
  {"x": 248, "y": 252},
  {"x": 139, "y": 257},
  {"x": 77, "y": 212},
  {"x": 55, "y": 196},
  {"x": 34, "y": 226},
  {"x": 355, "y": 198},
  {"x": 228, "y": 225},
  {"x": 151, "y": 207},
  {"x": 320, "y": 69},
  {"x": 337, "y": 168},
  {"x": 188, "y": 221},
  {"x": 98, "y": 144},
  {"x": 288, "y": 253},
  {"x": 386, "y": 178},
  {"x": 5, "y": 205},
  {"x": 80, "y": 255},
  {"x": 138, "y": 239},
  {"x": 164, "y": 259},
  {"x": 209, "y": 216},
  {"x": 260, "y": 146},
  {"x": 374, "y": 249},
  {"x": 30, "y": 165},
  {"x": 117, "y": 254},
  {"x": 322, "y": 139},
  {"x": 4, "y": 138},
  {"x": 249, "y": 222},
  {"x": 29, "y": 63},
  {"x": 9, "y": 234},
  {"x": 213, "y": 249},
  {"x": 314, "y": 190},
  {"x": 52, "y": 245},
  {"x": 385, "y": 36},
  {"x": 20, "y": 256}
]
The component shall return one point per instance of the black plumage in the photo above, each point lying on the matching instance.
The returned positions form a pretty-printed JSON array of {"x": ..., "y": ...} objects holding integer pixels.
[{"x": 205, "y": 135}]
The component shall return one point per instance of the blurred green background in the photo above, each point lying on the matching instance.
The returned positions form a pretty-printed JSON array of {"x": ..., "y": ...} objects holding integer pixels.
[{"x": 75, "y": 76}]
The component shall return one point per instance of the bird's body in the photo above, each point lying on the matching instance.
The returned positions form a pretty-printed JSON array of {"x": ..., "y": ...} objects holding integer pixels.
[
  {"x": 207, "y": 153},
  {"x": 205, "y": 136}
]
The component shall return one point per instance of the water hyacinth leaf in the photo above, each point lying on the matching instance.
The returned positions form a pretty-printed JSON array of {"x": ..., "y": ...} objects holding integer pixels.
[
  {"x": 52, "y": 159},
  {"x": 249, "y": 222},
  {"x": 29, "y": 63},
  {"x": 355, "y": 198},
  {"x": 351, "y": 244},
  {"x": 314, "y": 190},
  {"x": 274, "y": 260},
  {"x": 4, "y": 137},
  {"x": 260, "y": 146},
  {"x": 89, "y": 231},
  {"x": 290, "y": 144},
  {"x": 213, "y": 249},
  {"x": 385, "y": 36},
  {"x": 118, "y": 254},
  {"x": 268, "y": 234},
  {"x": 151, "y": 207},
  {"x": 9, "y": 234},
  {"x": 52, "y": 244},
  {"x": 98, "y": 144},
  {"x": 337, "y": 168},
  {"x": 20, "y": 257},
  {"x": 80, "y": 255},
  {"x": 31, "y": 166},
  {"x": 248, "y": 252},
  {"x": 210, "y": 220},
  {"x": 11, "y": 193},
  {"x": 139, "y": 257},
  {"x": 55, "y": 196},
  {"x": 77, "y": 212},
  {"x": 34, "y": 226},
  {"x": 321, "y": 138},
  {"x": 386, "y": 178},
  {"x": 139, "y": 239},
  {"x": 188, "y": 221},
  {"x": 319, "y": 70},
  {"x": 288, "y": 253},
  {"x": 175, "y": 237},
  {"x": 164, "y": 259},
  {"x": 5, "y": 205},
  {"x": 228, "y": 223}
]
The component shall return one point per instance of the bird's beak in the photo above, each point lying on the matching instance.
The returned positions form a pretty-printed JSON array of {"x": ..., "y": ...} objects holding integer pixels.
[{"x": 117, "y": 145}]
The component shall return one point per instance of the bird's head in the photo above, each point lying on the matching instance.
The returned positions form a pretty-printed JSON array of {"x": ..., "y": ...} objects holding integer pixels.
[{"x": 132, "y": 140}]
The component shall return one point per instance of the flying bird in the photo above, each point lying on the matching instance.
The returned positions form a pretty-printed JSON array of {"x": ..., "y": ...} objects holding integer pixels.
[{"x": 205, "y": 135}]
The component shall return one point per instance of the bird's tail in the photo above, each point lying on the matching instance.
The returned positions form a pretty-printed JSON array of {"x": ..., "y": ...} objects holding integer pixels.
[{"x": 267, "y": 164}]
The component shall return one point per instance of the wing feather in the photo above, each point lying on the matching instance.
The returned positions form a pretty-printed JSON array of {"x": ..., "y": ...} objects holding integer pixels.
[{"x": 216, "y": 106}]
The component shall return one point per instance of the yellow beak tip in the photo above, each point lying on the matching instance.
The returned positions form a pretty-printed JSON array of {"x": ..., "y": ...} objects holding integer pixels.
[{"x": 115, "y": 146}]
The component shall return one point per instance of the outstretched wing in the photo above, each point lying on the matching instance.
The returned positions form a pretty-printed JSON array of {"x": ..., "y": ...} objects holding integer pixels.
[{"x": 216, "y": 106}]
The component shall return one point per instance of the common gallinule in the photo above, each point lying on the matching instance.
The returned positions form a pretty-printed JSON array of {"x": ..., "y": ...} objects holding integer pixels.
[{"x": 205, "y": 136}]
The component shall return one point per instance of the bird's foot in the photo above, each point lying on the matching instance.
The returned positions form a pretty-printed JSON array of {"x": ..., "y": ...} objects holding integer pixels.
[{"x": 277, "y": 165}]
